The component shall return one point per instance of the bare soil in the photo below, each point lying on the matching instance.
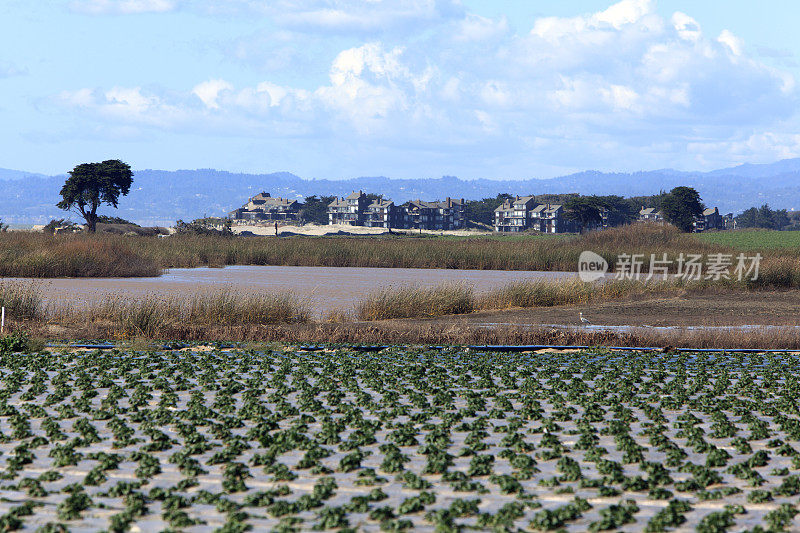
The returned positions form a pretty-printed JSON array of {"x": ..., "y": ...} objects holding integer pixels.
[{"x": 764, "y": 308}]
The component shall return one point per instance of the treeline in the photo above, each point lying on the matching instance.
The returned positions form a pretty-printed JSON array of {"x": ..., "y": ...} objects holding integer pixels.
[{"x": 767, "y": 218}]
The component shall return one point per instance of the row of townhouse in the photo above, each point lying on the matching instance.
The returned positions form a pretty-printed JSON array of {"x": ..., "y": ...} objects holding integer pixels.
[
  {"x": 710, "y": 219},
  {"x": 524, "y": 213},
  {"x": 519, "y": 214},
  {"x": 265, "y": 208},
  {"x": 356, "y": 210}
]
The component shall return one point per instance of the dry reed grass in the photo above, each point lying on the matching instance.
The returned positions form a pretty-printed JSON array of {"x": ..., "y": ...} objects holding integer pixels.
[
  {"x": 37, "y": 255},
  {"x": 416, "y": 302},
  {"x": 456, "y": 299},
  {"x": 457, "y": 334},
  {"x": 152, "y": 316},
  {"x": 777, "y": 272},
  {"x": 105, "y": 255},
  {"x": 22, "y": 299},
  {"x": 549, "y": 293}
]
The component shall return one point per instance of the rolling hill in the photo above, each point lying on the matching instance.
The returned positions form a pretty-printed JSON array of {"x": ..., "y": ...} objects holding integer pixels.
[{"x": 161, "y": 197}]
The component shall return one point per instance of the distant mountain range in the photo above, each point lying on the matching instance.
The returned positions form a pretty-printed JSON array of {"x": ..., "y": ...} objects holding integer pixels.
[{"x": 159, "y": 197}]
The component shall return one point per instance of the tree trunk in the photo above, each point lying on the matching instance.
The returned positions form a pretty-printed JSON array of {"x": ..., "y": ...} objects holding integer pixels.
[
  {"x": 91, "y": 218},
  {"x": 91, "y": 221}
]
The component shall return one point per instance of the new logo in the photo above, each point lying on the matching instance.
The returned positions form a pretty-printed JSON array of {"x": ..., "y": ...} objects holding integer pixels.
[{"x": 591, "y": 266}]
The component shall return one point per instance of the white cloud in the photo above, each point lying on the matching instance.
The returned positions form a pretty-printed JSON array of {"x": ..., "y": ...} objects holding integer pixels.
[
  {"x": 123, "y": 7},
  {"x": 624, "y": 12},
  {"x": 131, "y": 100},
  {"x": 477, "y": 28},
  {"x": 276, "y": 93},
  {"x": 370, "y": 84},
  {"x": 758, "y": 147},
  {"x": 362, "y": 15},
  {"x": 571, "y": 91},
  {"x": 119, "y": 106},
  {"x": 80, "y": 98},
  {"x": 686, "y": 26},
  {"x": 732, "y": 42},
  {"x": 620, "y": 97},
  {"x": 596, "y": 28},
  {"x": 321, "y": 16},
  {"x": 208, "y": 91}
]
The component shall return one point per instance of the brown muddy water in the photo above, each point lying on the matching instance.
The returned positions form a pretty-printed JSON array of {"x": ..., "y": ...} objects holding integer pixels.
[{"x": 327, "y": 287}]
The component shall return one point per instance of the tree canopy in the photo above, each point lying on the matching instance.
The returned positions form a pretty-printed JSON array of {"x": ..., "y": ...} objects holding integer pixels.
[
  {"x": 91, "y": 184},
  {"x": 315, "y": 209},
  {"x": 763, "y": 217},
  {"x": 482, "y": 211},
  {"x": 585, "y": 210},
  {"x": 681, "y": 206}
]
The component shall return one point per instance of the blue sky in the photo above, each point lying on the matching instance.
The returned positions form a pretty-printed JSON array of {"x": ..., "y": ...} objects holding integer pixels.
[{"x": 402, "y": 88}]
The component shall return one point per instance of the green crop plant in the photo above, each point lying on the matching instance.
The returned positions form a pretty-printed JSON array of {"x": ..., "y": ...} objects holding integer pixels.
[
  {"x": 671, "y": 516},
  {"x": 548, "y": 520},
  {"x": 615, "y": 516},
  {"x": 496, "y": 429}
]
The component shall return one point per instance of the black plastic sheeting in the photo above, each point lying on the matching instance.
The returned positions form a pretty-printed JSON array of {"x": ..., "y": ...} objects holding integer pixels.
[
  {"x": 86, "y": 346},
  {"x": 492, "y": 348},
  {"x": 478, "y": 348},
  {"x": 536, "y": 347}
]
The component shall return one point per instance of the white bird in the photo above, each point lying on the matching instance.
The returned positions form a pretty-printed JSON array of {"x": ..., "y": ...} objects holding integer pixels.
[{"x": 583, "y": 320}]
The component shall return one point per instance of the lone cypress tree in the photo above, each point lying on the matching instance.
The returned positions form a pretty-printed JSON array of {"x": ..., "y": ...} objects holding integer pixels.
[{"x": 92, "y": 184}]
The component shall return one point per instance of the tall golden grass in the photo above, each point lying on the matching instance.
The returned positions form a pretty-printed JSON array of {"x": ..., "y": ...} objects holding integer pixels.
[
  {"x": 36, "y": 255},
  {"x": 459, "y": 298},
  {"x": 153, "y": 316},
  {"x": 416, "y": 302},
  {"x": 454, "y": 299},
  {"x": 104, "y": 255},
  {"x": 549, "y": 293},
  {"x": 22, "y": 299},
  {"x": 777, "y": 272}
]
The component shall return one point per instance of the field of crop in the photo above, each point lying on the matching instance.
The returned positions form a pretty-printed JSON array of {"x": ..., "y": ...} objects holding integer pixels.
[
  {"x": 753, "y": 239},
  {"x": 404, "y": 439}
]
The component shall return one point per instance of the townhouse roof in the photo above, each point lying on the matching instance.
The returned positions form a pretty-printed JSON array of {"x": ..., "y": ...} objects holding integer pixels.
[
  {"x": 354, "y": 195},
  {"x": 277, "y": 202},
  {"x": 422, "y": 204},
  {"x": 521, "y": 200},
  {"x": 264, "y": 200},
  {"x": 450, "y": 202},
  {"x": 437, "y": 204}
]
